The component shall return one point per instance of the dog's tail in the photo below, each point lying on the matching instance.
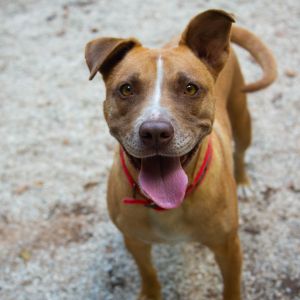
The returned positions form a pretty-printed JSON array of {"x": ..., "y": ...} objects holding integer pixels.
[{"x": 262, "y": 55}]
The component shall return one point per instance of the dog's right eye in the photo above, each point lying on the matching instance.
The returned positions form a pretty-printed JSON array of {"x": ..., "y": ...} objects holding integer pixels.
[{"x": 126, "y": 90}]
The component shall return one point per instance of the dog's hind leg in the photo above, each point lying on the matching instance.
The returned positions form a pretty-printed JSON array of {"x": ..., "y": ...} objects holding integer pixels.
[
  {"x": 241, "y": 125},
  {"x": 141, "y": 253}
]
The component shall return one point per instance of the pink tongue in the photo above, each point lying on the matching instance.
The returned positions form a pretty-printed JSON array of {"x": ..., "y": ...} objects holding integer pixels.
[{"x": 163, "y": 180}]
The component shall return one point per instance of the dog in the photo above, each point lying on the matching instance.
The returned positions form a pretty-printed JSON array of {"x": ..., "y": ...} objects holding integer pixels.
[{"x": 175, "y": 112}]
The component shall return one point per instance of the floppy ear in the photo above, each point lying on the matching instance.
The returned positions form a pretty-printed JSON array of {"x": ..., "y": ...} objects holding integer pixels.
[
  {"x": 208, "y": 36},
  {"x": 104, "y": 53}
]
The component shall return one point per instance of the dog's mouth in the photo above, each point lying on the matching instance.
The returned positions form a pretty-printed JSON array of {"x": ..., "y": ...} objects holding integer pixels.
[
  {"x": 162, "y": 178},
  {"x": 184, "y": 159}
]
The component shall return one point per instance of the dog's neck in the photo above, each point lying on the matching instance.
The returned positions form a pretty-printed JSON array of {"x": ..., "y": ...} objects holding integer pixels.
[{"x": 194, "y": 164}]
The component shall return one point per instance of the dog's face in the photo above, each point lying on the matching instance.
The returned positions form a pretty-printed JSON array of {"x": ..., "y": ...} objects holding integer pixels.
[{"x": 160, "y": 103}]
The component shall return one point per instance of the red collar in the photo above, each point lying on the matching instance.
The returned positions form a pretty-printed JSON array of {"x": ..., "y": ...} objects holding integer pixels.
[{"x": 148, "y": 202}]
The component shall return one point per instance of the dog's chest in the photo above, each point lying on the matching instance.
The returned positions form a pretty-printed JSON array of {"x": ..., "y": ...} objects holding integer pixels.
[
  {"x": 153, "y": 226},
  {"x": 170, "y": 227}
]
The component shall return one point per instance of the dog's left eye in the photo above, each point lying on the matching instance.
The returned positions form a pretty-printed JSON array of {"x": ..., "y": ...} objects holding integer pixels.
[
  {"x": 126, "y": 90},
  {"x": 191, "y": 89}
]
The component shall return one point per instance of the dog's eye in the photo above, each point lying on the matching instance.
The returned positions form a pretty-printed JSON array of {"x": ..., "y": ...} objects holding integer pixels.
[
  {"x": 191, "y": 89},
  {"x": 126, "y": 90}
]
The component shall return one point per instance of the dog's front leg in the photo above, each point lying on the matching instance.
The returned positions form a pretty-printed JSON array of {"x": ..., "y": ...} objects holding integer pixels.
[
  {"x": 229, "y": 258},
  {"x": 141, "y": 253}
]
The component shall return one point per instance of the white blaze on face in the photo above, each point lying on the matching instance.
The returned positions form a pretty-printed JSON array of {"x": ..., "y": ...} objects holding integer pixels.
[
  {"x": 155, "y": 103},
  {"x": 153, "y": 110}
]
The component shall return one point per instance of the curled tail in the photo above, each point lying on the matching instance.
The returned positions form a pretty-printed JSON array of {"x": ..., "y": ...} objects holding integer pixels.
[{"x": 260, "y": 52}]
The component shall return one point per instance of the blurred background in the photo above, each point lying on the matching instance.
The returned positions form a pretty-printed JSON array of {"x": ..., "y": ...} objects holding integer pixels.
[{"x": 56, "y": 240}]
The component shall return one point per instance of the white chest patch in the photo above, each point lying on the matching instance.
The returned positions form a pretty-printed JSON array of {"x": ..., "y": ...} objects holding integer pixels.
[{"x": 172, "y": 230}]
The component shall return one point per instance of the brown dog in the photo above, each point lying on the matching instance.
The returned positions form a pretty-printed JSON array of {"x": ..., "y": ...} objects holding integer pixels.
[{"x": 174, "y": 112}]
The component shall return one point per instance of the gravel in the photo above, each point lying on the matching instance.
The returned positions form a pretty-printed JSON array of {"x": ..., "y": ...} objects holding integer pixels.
[{"x": 56, "y": 239}]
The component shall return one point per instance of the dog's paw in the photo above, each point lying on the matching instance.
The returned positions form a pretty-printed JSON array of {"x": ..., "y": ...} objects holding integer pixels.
[
  {"x": 245, "y": 191},
  {"x": 143, "y": 296}
]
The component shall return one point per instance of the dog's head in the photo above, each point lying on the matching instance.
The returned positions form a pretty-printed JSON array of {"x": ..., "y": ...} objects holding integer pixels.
[{"x": 160, "y": 103}]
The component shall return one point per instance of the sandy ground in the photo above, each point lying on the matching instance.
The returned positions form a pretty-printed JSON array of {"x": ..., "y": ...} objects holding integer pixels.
[{"x": 56, "y": 240}]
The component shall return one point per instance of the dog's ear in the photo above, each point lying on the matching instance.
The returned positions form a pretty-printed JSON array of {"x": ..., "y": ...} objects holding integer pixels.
[
  {"x": 208, "y": 36},
  {"x": 104, "y": 53}
]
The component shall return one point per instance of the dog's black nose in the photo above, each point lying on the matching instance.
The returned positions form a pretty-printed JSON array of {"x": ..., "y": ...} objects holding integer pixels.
[{"x": 156, "y": 133}]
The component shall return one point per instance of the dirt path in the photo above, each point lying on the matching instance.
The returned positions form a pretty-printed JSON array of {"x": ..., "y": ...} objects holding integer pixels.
[{"x": 56, "y": 241}]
